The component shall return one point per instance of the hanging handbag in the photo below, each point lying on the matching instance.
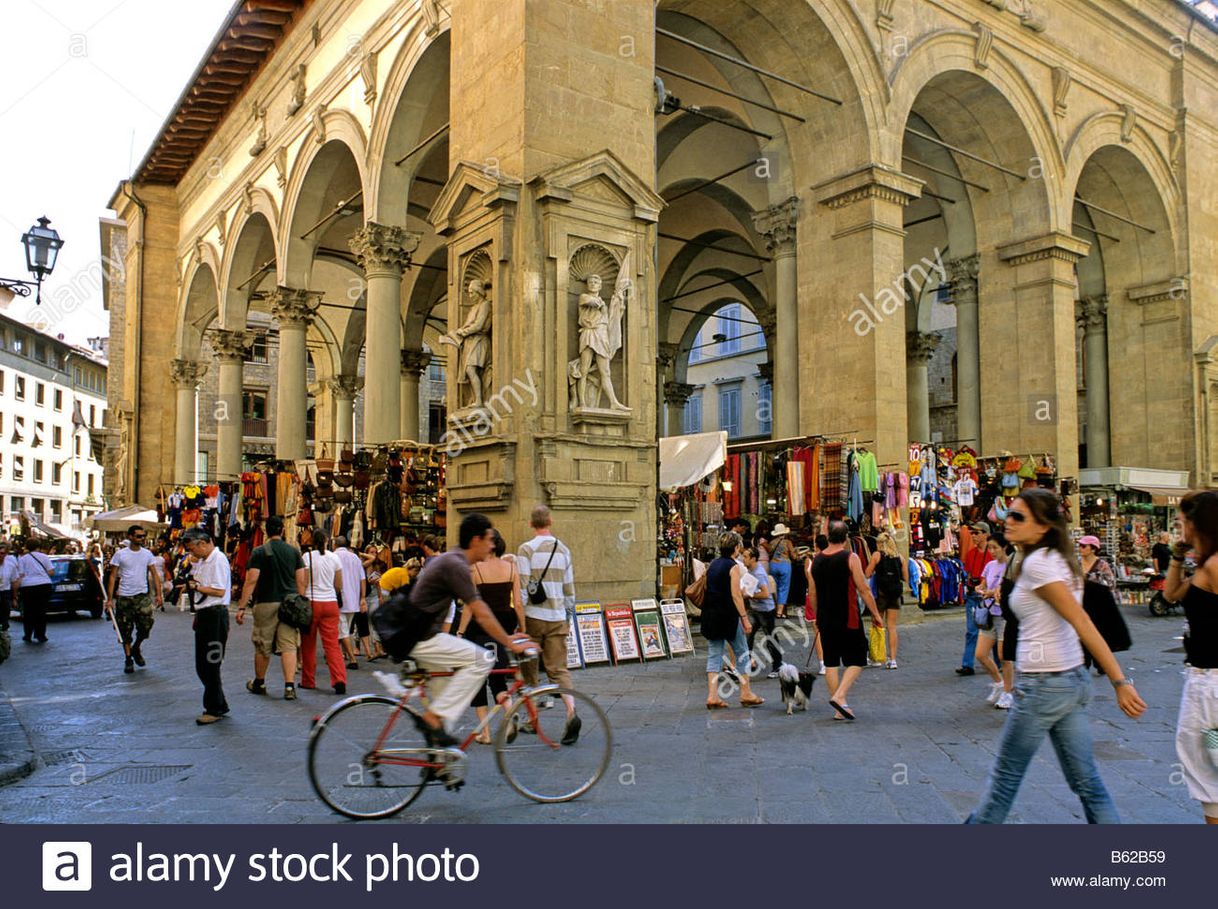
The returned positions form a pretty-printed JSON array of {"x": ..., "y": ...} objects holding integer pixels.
[{"x": 536, "y": 587}]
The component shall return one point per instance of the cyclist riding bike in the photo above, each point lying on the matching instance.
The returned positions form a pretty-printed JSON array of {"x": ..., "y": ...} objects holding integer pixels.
[{"x": 443, "y": 579}]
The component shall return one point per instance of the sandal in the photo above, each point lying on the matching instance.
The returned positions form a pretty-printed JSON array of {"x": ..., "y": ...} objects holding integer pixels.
[
  {"x": 483, "y": 741},
  {"x": 754, "y": 701},
  {"x": 716, "y": 705},
  {"x": 843, "y": 709}
]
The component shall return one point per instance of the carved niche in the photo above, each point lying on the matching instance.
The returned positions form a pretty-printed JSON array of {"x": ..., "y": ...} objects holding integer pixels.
[{"x": 600, "y": 293}]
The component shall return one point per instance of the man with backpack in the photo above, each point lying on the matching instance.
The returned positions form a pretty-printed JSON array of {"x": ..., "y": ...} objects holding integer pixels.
[{"x": 275, "y": 571}]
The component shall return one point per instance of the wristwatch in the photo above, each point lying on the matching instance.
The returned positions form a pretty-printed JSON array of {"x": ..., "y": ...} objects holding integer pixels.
[{"x": 1122, "y": 682}]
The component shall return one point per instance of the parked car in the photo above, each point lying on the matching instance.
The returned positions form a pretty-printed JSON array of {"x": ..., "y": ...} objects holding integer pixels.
[{"x": 74, "y": 587}]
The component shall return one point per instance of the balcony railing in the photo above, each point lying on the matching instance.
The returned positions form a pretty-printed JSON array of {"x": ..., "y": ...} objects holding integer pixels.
[{"x": 254, "y": 428}]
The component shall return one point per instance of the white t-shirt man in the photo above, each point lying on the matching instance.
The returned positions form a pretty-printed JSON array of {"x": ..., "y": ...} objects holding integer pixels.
[
  {"x": 1047, "y": 642},
  {"x": 132, "y": 567},
  {"x": 322, "y": 567},
  {"x": 212, "y": 572},
  {"x": 353, "y": 573}
]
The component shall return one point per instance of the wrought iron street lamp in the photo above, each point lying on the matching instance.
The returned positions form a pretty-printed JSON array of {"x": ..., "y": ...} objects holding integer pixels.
[{"x": 42, "y": 245}]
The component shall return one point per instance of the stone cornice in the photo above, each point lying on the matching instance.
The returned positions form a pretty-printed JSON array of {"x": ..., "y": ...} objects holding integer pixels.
[
  {"x": 871, "y": 182},
  {"x": 1053, "y": 245},
  {"x": 562, "y": 182},
  {"x": 492, "y": 188},
  {"x": 1171, "y": 289}
]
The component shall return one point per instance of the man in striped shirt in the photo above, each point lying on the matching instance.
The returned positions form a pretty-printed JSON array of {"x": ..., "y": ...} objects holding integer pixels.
[{"x": 547, "y": 561}]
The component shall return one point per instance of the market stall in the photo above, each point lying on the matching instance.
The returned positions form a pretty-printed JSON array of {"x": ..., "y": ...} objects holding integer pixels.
[
  {"x": 119, "y": 520},
  {"x": 685, "y": 464}
]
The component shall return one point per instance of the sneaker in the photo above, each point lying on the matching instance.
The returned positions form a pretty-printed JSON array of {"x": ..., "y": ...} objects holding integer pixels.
[
  {"x": 1005, "y": 701},
  {"x": 137, "y": 656},
  {"x": 570, "y": 733},
  {"x": 891, "y": 664},
  {"x": 995, "y": 691},
  {"x": 207, "y": 719},
  {"x": 873, "y": 664},
  {"x": 289, "y": 692},
  {"x": 340, "y": 687},
  {"x": 256, "y": 686},
  {"x": 128, "y": 666},
  {"x": 823, "y": 668},
  {"x": 966, "y": 670},
  {"x": 773, "y": 675},
  {"x": 545, "y": 703}
]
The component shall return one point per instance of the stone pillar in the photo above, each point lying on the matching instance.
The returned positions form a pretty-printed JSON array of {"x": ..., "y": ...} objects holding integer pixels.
[
  {"x": 963, "y": 274},
  {"x": 413, "y": 364},
  {"x": 230, "y": 348},
  {"x": 571, "y": 195},
  {"x": 777, "y": 225},
  {"x": 676, "y": 396},
  {"x": 1093, "y": 317},
  {"x": 919, "y": 348},
  {"x": 186, "y": 376},
  {"x": 384, "y": 251},
  {"x": 666, "y": 361},
  {"x": 1037, "y": 391},
  {"x": 765, "y": 372},
  {"x": 293, "y": 309},
  {"x": 343, "y": 390}
]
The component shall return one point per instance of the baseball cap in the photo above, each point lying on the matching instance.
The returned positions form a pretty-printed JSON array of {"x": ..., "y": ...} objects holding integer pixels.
[
  {"x": 980, "y": 527},
  {"x": 1089, "y": 540}
]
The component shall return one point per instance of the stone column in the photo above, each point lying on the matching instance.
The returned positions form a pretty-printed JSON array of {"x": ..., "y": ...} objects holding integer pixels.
[
  {"x": 777, "y": 225},
  {"x": 413, "y": 364},
  {"x": 293, "y": 309},
  {"x": 344, "y": 389},
  {"x": 230, "y": 348},
  {"x": 666, "y": 361},
  {"x": 1093, "y": 317},
  {"x": 186, "y": 375},
  {"x": 963, "y": 274},
  {"x": 765, "y": 372},
  {"x": 384, "y": 251},
  {"x": 919, "y": 348},
  {"x": 676, "y": 395}
]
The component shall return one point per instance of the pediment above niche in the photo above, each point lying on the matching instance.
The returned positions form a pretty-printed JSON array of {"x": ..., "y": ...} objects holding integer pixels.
[
  {"x": 470, "y": 186},
  {"x": 601, "y": 178}
]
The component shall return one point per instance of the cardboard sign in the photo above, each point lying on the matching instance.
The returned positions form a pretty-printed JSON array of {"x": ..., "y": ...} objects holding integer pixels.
[
  {"x": 676, "y": 627},
  {"x": 573, "y": 655},
  {"x": 590, "y": 625},
  {"x": 622, "y": 636},
  {"x": 647, "y": 622}
]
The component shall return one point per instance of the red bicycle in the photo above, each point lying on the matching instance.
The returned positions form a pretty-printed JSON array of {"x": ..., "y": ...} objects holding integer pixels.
[{"x": 368, "y": 758}]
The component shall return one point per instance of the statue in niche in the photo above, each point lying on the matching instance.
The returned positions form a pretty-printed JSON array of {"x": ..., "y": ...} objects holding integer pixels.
[
  {"x": 600, "y": 339},
  {"x": 473, "y": 341}
]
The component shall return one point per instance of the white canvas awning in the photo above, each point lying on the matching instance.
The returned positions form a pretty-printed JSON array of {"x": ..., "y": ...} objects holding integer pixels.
[
  {"x": 684, "y": 460},
  {"x": 118, "y": 520}
]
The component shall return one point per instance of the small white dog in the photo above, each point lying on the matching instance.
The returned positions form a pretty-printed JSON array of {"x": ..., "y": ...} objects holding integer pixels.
[{"x": 796, "y": 687}]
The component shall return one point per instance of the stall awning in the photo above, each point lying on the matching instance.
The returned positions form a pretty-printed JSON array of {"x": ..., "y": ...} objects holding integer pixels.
[
  {"x": 43, "y": 530},
  {"x": 684, "y": 460},
  {"x": 120, "y": 519},
  {"x": 1163, "y": 495}
]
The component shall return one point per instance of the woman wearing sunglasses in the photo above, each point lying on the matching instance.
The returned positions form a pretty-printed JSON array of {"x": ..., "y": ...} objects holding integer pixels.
[
  {"x": 1197, "y": 724},
  {"x": 1052, "y": 688}
]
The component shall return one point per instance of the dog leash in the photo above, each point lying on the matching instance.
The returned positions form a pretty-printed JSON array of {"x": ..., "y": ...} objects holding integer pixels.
[{"x": 812, "y": 649}]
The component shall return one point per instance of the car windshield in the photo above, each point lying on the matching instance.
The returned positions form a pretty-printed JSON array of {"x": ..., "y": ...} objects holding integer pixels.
[{"x": 68, "y": 570}]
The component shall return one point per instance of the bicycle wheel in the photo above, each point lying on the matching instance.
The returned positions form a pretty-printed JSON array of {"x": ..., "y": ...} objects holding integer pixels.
[
  {"x": 353, "y": 780},
  {"x": 536, "y": 763}
]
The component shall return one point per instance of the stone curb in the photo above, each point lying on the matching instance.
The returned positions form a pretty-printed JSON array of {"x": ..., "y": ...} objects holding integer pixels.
[{"x": 17, "y": 755}]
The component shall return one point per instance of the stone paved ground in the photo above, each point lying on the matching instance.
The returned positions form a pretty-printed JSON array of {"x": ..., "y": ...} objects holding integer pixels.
[{"x": 118, "y": 748}]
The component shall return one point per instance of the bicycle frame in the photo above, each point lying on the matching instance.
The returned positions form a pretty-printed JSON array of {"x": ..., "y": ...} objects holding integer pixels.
[{"x": 403, "y": 758}]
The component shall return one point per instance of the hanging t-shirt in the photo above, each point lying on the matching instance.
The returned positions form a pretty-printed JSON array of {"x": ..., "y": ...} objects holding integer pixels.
[{"x": 965, "y": 490}]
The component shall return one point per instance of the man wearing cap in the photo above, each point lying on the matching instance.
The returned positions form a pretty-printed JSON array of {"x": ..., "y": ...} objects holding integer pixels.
[{"x": 974, "y": 561}]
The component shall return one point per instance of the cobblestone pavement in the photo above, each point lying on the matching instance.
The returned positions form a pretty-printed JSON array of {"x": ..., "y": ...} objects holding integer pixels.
[{"x": 117, "y": 748}]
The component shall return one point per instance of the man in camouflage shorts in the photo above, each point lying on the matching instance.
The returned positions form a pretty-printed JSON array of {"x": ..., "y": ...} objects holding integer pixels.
[{"x": 131, "y": 569}]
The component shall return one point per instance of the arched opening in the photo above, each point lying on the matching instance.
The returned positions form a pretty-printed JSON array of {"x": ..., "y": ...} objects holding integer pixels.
[{"x": 724, "y": 362}]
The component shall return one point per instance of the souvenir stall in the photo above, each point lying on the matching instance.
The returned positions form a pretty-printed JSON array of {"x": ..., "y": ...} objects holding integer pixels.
[{"x": 687, "y": 475}]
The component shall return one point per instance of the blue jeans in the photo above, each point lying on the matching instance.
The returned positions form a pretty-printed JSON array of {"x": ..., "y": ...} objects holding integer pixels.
[
  {"x": 781, "y": 573},
  {"x": 740, "y": 647},
  {"x": 971, "y": 631},
  {"x": 1052, "y": 703}
]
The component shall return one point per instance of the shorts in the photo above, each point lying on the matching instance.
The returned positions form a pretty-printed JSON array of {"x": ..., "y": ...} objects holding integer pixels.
[
  {"x": 134, "y": 613},
  {"x": 997, "y": 630},
  {"x": 888, "y": 602},
  {"x": 346, "y": 624},
  {"x": 844, "y": 646},
  {"x": 1198, "y": 713},
  {"x": 270, "y": 635}
]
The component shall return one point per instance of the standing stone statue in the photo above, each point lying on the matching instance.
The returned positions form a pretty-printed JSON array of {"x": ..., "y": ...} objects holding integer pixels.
[
  {"x": 600, "y": 337},
  {"x": 473, "y": 340}
]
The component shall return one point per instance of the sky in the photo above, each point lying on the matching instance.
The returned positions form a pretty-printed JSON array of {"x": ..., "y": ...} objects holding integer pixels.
[{"x": 84, "y": 87}]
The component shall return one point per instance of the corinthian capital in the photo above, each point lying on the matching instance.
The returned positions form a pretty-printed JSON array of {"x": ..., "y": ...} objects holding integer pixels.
[
  {"x": 920, "y": 346},
  {"x": 1092, "y": 312},
  {"x": 292, "y": 305},
  {"x": 777, "y": 225},
  {"x": 230, "y": 345},
  {"x": 415, "y": 361},
  {"x": 678, "y": 393},
  {"x": 345, "y": 387},
  {"x": 187, "y": 373},
  {"x": 384, "y": 248}
]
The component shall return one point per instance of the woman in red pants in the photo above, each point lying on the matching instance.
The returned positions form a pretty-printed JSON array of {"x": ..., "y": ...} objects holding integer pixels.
[{"x": 324, "y": 579}]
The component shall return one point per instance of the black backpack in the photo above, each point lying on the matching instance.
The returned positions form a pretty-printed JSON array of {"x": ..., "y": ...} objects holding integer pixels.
[
  {"x": 888, "y": 578},
  {"x": 401, "y": 625}
]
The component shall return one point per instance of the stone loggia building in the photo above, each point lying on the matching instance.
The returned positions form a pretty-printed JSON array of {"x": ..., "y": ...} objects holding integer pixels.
[{"x": 1040, "y": 177}]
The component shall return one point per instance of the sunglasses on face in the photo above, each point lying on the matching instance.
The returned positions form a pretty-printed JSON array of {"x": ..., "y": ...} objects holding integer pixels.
[{"x": 1017, "y": 517}]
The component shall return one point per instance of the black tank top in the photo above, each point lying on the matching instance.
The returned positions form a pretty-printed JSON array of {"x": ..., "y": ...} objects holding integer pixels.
[
  {"x": 1201, "y": 642},
  {"x": 835, "y": 597}
]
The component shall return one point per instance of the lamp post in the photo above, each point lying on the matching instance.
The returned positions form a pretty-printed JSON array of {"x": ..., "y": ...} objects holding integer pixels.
[{"x": 42, "y": 245}]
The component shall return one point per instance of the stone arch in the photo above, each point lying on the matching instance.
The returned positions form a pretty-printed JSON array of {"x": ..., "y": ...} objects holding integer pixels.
[
  {"x": 198, "y": 308},
  {"x": 415, "y": 105},
  {"x": 250, "y": 249}
]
